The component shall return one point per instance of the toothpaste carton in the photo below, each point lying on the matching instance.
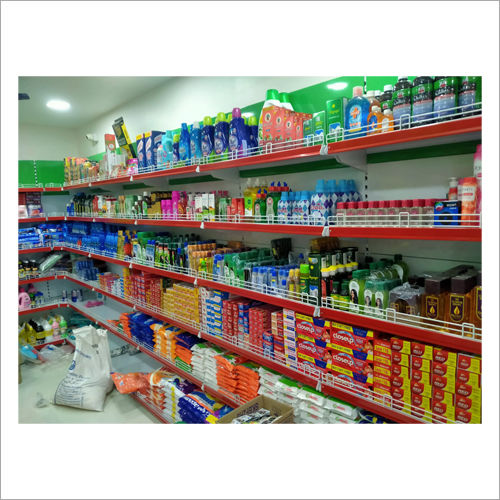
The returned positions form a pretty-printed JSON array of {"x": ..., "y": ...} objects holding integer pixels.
[
  {"x": 382, "y": 380},
  {"x": 421, "y": 350},
  {"x": 401, "y": 394},
  {"x": 469, "y": 363},
  {"x": 309, "y": 350},
  {"x": 467, "y": 417},
  {"x": 467, "y": 390},
  {"x": 382, "y": 370},
  {"x": 468, "y": 404},
  {"x": 281, "y": 117},
  {"x": 469, "y": 378},
  {"x": 443, "y": 370},
  {"x": 442, "y": 412},
  {"x": 421, "y": 388},
  {"x": 399, "y": 370},
  {"x": 421, "y": 407},
  {"x": 351, "y": 337},
  {"x": 384, "y": 392},
  {"x": 400, "y": 345},
  {"x": 358, "y": 370},
  {"x": 400, "y": 382},
  {"x": 444, "y": 383},
  {"x": 422, "y": 364},
  {"x": 441, "y": 396},
  {"x": 400, "y": 359},
  {"x": 311, "y": 328},
  {"x": 444, "y": 357},
  {"x": 420, "y": 376}
]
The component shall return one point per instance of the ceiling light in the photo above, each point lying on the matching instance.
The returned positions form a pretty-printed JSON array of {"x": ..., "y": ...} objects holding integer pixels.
[
  {"x": 337, "y": 86},
  {"x": 58, "y": 105}
]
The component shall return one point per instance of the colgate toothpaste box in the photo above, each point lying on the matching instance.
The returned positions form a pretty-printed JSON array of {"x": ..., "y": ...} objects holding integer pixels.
[
  {"x": 469, "y": 378},
  {"x": 467, "y": 417},
  {"x": 422, "y": 350},
  {"x": 309, "y": 366},
  {"x": 420, "y": 376},
  {"x": 348, "y": 365},
  {"x": 400, "y": 359},
  {"x": 443, "y": 370},
  {"x": 311, "y": 328},
  {"x": 311, "y": 350},
  {"x": 421, "y": 407},
  {"x": 421, "y": 388},
  {"x": 444, "y": 357},
  {"x": 382, "y": 370},
  {"x": 419, "y": 363},
  {"x": 442, "y": 412},
  {"x": 400, "y": 345},
  {"x": 384, "y": 392},
  {"x": 469, "y": 363},
  {"x": 382, "y": 380},
  {"x": 351, "y": 337},
  {"x": 468, "y": 404},
  {"x": 444, "y": 383},
  {"x": 398, "y": 370},
  {"x": 440, "y": 396}
]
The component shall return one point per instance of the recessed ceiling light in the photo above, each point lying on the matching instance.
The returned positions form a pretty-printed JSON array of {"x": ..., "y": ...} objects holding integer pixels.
[
  {"x": 337, "y": 86},
  {"x": 58, "y": 105}
]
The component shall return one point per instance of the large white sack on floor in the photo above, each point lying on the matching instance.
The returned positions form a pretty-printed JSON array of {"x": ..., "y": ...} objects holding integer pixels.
[{"x": 88, "y": 379}]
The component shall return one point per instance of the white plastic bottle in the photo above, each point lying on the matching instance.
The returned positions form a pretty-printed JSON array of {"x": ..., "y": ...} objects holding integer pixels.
[
  {"x": 303, "y": 208},
  {"x": 319, "y": 205},
  {"x": 284, "y": 209}
]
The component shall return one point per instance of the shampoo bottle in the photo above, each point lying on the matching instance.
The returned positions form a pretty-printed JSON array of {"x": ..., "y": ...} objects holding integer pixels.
[
  {"x": 185, "y": 145},
  {"x": 356, "y": 114},
  {"x": 195, "y": 143},
  {"x": 207, "y": 138},
  {"x": 221, "y": 137},
  {"x": 237, "y": 134}
]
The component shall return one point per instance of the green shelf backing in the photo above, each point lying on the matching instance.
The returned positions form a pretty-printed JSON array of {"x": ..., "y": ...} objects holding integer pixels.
[
  {"x": 26, "y": 172},
  {"x": 50, "y": 172},
  {"x": 192, "y": 180},
  {"x": 137, "y": 185},
  {"x": 329, "y": 164},
  {"x": 453, "y": 149}
]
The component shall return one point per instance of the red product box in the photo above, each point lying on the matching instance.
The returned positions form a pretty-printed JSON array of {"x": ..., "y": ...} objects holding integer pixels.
[
  {"x": 419, "y": 363},
  {"x": 312, "y": 350},
  {"x": 384, "y": 394},
  {"x": 382, "y": 346},
  {"x": 467, "y": 390},
  {"x": 402, "y": 382},
  {"x": 421, "y": 388},
  {"x": 468, "y": 404},
  {"x": 401, "y": 394},
  {"x": 349, "y": 362},
  {"x": 402, "y": 371},
  {"x": 469, "y": 378},
  {"x": 444, "y": 383},
  {"x": 312, "y": 328},
  {"x": 442, "y": 412},
  {"x": 441, "y": 396},
  {"x": 400, "y": 345},
  {"x": 420, "y": 376},
  {"x": 467, "y": 417},
  {"x": 382, "y": 380},
  {"x": 400, "y": 359},
  {"x": 421, "y": 350},
  {"x": 346, "y": 338},
  {"x": 382, "y": 358},
  {"x": 443, "y": 370},
  {"x": 469, "y": 363},
  {"x": 444, "y": 357},
  {"x": 421, "y": 407},
  {"x": 379, "y": 369}
]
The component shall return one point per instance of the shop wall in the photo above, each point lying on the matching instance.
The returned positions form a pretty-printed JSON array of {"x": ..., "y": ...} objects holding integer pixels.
[
  {"x": 40, "y": 142},
  {"x": 186, "y": 99}
]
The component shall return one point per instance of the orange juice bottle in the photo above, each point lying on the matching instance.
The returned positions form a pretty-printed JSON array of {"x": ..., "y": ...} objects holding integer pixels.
[
  {"x": 387, "y": 121},
  {"x": 476, "y": 303},
  {"x": 458, "y": 301},
  {"x": 375, "y": 121}
]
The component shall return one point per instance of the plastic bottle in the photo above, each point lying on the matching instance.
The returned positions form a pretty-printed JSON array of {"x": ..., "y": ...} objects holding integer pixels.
[
  {"x": 166, "y": 154},
  {"x": 401, "y": 102},
  {"x": 375, "y": 119},
  {"x": 248, "y": 198},
  {"x": 272, "y": 99},
  {"x": 284, "y": 209},
  {"x": 175, "y": 150},
  {"x": 196, "y": 154},
  {"x": 428, "y": 212},
  {"x": 356, "y": 114},
  {"x": 304, "y": 278},
  {"x": 401, "y": 267},
  {"x": 422, "y": 96},
  {"x": 469, "y": 94},
  {"x": 354, "y": 194},
  {"x": 303, "y": 208},
  {"x": 370, "y": 95},
  {"x": 476, "y": 302},
  {"x": 357, "y": 290},
  {"x": 371, "y": 213},
  {"x": 207, "y": 138},
  {"x": 393, "y": 212},
  {"x": 343, "y": 192},
  {"x": 272, "y": 199},
  {"x": 369, "y": 296},
  {"x": 351, "y": 213},
  {"x": 416, "y": 211},
  {"x": 185, "y": 145},
  {"x": 221, "y": 137},
  {"x": 469, "y": 200},
  {"x": 260, "y": 206},
  {"x": 479, "y": 177},
  {"x": 361, "y": 213},
  {"x": 381, "y": 298},
  {"x": 387, "y": 122},
  {"x": 253, "y": 135},
  {"x": 332, "y": 190},
  {"x": 453, "y": 189},
  {"x": 238, "y": 141},
  {"x": 445, "y": 97},
  {"x": 386, "y": 98},
  {"x": 319, "y": 204}
]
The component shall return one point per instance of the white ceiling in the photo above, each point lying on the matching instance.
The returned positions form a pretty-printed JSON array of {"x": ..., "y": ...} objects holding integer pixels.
[{"x": 89, "y": 97}]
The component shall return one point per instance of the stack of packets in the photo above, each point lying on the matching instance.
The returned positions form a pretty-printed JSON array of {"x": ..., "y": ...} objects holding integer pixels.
[
  {"x": 164, "y": 337},
  {"x": 227, "y": 375},
  {"x": 247, "y": 386},
  {"x": 183, "y": 346},
  {"x": 261, "y": 416},
  {"x": 174, "y": 388},
  {"x": 211, "y": 353},
  {"x": 182, "y": 302},
  {"x": 199, "y": 408}
]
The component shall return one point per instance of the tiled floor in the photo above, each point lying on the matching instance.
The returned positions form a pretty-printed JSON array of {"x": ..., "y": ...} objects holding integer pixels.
[{"x": 43, "y": 379}]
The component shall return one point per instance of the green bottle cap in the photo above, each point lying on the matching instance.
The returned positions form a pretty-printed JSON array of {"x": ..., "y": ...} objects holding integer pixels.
[
  {"x": 252, "y": 120},
  {"x": 221, "y": 117},
  {"x": 245, "y": 119},
  {"x": 207, "y": 120},
  {"x": 177, "y": 137},
  {"x": 272, "y": 94},
  {"x": 229, "y": 117},
  {"x": 284, "y": 97},
  {"x": 304, "y": 268}
]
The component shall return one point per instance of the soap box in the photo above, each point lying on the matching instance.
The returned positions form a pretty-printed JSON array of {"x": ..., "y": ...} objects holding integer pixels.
[
  {"x": 444, "y": 383},
  {"x": 421, "y": 407},
  {"x": 468, "y": 404},
  {"x": 268, "y": 121},
  {"x": 400, "y": 371},
  {"x": 319, "y": 123},
  {"x": 470, "y": 378},
  {"x": 421, "y": 388},
  {"x": 400, "y": 345},
  {"x": 422, "y": 364},
  {"x": 441, "y": 396},
  {"x": 149, "y": 139},
  {"x": 443, "y": 370},
  {"x": 442, "y": 412},
  {"x": 447, "y": 213},
  {"x": 335, "y": 116},
  {"x": 400, "y": 359},
  {"x": 141, "y": 158}
]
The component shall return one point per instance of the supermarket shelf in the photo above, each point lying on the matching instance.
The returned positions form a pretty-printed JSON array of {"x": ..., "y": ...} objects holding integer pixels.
[
  {"x": 420, "y": 334},
  {"x": 431, "y": 134},
  {"x": 34, "y": 250},
  {"x": 40, "y": 189},
  {"x": 48, "y": 307},
  {"x": 149, "y": 407},
  {"x": 54, "y": 342},
  {"x": 38, "y": 280}
]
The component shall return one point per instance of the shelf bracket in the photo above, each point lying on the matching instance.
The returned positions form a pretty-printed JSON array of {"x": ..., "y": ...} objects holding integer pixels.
[
  {"x": 355, "y": 159},
  {"x": 316, "y": 312},
  {"x": 318, "y": 385},
  {"x": 197, "y": 169},
  {"x": 202, "y": 225},
  {"x": 326, "y": 231}
]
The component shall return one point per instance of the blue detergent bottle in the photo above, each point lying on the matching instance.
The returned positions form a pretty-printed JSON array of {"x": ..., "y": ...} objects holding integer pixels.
[
  {"x": 332, "y": 191},
  {"x": 207, "y": 138},
  {"x": 195, "y": 140},
  {"x": 343, "y": 192},
  {"x": 284, "y": 208},
  {"x": 185, "y": 145},
  {"x": 167, "y": 143},
  {"x": 175, "y": 149},
  {"x": 221, "y": 137},
  {"x": 303, "y": 207},
  {"x": 319, "y": 204},
  {"x": 356, "y": 114},
  {"x": 253, "y": 136},
  {"x": 238, "y": 140}
]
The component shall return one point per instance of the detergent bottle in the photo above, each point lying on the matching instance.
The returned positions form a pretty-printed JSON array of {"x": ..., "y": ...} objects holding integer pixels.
[
  {"x": 284, "y": 208},
  {"x": 284, "y": 98},
  {"x": 356, "y": 114},
  {"x": 260, "y": 206},
  {"x": 253, "y": 136},
  {"x": 248, "y": 197},
  {"x": 166, "y": 148},
  {"x": 195, "y": 143},
  {"x": 401, "y": 102},
  {"x": 175, "y": 150},
  {"x": 319, "y": 204},
  {"x": 303, "y": 207},
  {"x": 184, "y": 145},
  {"x": 237, "y": 134},
  {"x": 207, "y": 138},
  {"x": 272, "y": 99},
  {"x": 221, "y": 137}
]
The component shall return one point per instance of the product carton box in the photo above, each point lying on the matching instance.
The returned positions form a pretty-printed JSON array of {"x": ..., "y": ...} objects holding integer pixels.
[
  {"x": 319, "y": 123},
  {"x": 400, "y": 345},
  {"x": 345, "y": 364},
  {"x": 442, "y": 412},
  {"x": 380, "y": 369},
  {"x": 468, "y": 404},
  {"x": 268, "y": 121},
  {"x": 421, "y": 350},
  {"x": 441, "y": 396},
  {"x": 469, "y": 363},
  {"x": 467, "y": 390},
  {"x": 443, "y": 370},
  {"x": 421, "y": 407},
  {"x": 400, "y": 381},
  {"x": 401, "y": 394},
  {"x": 467, "y": 417},
  {"x": 290, "y": 127},
  {"x": 444, "y": 357},
  {"x": 335, "y": 110},
  {"x": 282, "y": 410},
  {"x": 421, "y": 388},
  {"x": 311, "y": 328},
  {"x": 280, "y": 116},
  {"x": 351, "y": 336},
  {"x": 422, "y": 364},
  {"x": 469, "y": 378},
  {"x": 399, "y": 370},
  {"x": 447, "y": 213},
  {"x": 444, "y": 383},
  {"x": 307, "y": 129},
  {"x": 400, "y": 359},
  {"x": 420, "y": 376},
  {"x": 382, "y": 380},
  {"x": 141, "y": 157}
]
